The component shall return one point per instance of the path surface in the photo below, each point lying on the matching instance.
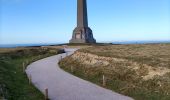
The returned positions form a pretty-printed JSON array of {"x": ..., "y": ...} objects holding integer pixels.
[{"x": 61, "y": 85}]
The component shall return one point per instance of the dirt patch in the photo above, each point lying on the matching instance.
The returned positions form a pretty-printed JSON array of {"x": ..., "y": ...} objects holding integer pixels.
[
  {"x": 159, "y": 71},
  {"x": 92, "y": 59}
]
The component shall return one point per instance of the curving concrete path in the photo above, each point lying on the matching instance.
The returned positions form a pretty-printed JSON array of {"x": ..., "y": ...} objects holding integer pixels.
[{"x": 61, "y": 85}]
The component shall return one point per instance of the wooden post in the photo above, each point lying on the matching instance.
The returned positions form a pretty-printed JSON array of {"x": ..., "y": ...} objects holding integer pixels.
[
  {"x": 27, "y": 62},
  {"x": 23, "y": 67},
  {"x": 2, "y": 92},
  {"x": 46, "y": 94},
  {"x": 104, "y": 81},
  {"x": 61, "y": 57},
  {"x": 72, "y": 69},
  {"x": 30, "y": 79}
]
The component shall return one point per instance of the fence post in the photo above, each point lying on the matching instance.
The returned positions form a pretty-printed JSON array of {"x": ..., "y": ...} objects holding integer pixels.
[
  {"x": 72, "y": 69},
  {"x": 30, "y": 79},
  {"x": 46, "y": 94},
  {"x": 66, "y": 54},
  {"x": 61, "y": 58},
  {"x": 1, "y": 91},
  {"x": 104, "y": 81},
  {"x": 23, "y": 67},
  {"x": 27, "y": 62}
]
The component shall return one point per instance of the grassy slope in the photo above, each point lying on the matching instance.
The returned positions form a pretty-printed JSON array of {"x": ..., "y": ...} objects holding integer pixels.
[
  {"x": 150, "y": 54},
  {"x": 13, "y": 82},
  {"x": 121, "y": 79}
]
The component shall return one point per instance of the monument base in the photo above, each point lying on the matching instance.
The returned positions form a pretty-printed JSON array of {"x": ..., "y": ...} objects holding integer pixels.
[{"x": 82, "y": 35}]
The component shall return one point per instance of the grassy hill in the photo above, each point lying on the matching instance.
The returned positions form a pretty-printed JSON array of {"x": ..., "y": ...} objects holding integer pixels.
[
  {"x": 141, "y": 71},
  {"x": 14, "y": 84}
]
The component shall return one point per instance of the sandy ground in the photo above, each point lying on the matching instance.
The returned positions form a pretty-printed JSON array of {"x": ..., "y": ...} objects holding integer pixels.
[{"x": 61, "y": 85}]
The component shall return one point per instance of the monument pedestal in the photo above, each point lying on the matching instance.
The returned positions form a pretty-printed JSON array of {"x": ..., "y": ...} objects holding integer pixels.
[{"x": 82, "y": 35}]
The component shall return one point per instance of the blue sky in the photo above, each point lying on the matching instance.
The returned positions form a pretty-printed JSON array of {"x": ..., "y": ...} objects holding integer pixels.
[{"x": 52, "y": 21}]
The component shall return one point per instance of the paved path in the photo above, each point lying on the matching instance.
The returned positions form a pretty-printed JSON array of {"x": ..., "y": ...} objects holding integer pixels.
[{"x": 64, "y": 86}]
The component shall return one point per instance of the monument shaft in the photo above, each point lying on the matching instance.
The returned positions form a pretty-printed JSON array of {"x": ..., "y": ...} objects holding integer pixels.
[
  {"x": 82, "y": 20},
  {"x": 82, "y": 33}
]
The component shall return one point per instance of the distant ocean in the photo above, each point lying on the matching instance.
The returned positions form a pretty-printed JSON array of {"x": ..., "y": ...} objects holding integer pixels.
[
  {"x": 139, "y": 42},
  {"x": 116, "y": 42},
  {"x": 25, "y": 45}
]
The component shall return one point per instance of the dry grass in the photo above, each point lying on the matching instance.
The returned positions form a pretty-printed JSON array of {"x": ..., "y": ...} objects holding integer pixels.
[
  {"x": 140, "y": 71},
  {"x": 6, "y": 50},
  {"x": 151, "y": 54}
]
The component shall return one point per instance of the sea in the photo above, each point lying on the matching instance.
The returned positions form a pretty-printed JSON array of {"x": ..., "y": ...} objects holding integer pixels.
[
  {"x": 26, "y": 45},
  {"x": 140, "y": 42},
  {"x": 49, "y": 44}
]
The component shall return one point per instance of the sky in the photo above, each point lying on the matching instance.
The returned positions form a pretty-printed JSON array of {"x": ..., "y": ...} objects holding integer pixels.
[{"x": 52, "y": 21}]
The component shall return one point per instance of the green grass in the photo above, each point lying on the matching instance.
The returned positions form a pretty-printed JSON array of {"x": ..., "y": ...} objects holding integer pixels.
[
  {"x": 121, "y": 79},
  {"x": 14, "y": 83}
]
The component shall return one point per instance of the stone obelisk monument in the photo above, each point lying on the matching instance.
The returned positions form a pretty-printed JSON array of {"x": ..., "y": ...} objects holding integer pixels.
[{"x": 82, "y": 33}]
